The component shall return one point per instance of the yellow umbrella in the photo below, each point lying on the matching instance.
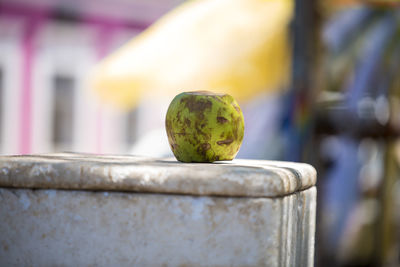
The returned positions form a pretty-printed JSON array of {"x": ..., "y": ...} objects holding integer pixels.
[{"x": 235, "y": 46}]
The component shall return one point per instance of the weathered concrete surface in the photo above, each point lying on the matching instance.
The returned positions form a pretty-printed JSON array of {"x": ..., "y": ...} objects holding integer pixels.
[
  {"x": 127, "y": 173},
  {"x": 58, "y": 227}
]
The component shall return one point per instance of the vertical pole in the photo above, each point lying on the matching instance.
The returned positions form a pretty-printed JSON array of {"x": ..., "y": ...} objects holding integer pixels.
[
  {"x": 298, "y": 121},
  {"x": 30, "y": 30}
]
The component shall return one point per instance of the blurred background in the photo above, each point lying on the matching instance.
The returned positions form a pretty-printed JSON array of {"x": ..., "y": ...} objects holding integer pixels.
[{"x": 318, "y": 82}]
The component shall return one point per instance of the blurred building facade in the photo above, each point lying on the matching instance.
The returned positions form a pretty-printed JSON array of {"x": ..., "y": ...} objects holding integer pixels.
[{"x": 47, "y": 49}]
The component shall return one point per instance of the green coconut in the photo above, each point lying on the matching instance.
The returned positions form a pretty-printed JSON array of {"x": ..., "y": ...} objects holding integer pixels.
[{"x": 204, "y": 127}]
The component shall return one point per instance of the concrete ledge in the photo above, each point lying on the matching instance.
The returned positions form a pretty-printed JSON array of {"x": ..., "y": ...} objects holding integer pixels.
[
  {"x": 85, "y": 210},
  {"x": 240, "y": 178}
]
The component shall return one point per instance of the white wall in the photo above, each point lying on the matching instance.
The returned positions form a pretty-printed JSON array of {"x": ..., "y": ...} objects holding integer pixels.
[
  {"x": 10, "y": 63},
  {"x": 60, "y": 49}
]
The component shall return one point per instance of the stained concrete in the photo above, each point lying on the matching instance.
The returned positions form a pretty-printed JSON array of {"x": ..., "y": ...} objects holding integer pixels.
[
  {"x": 154, "y": 212},
  {"x": 126, "y": 173}
]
